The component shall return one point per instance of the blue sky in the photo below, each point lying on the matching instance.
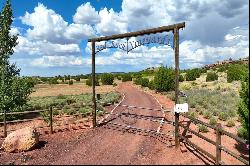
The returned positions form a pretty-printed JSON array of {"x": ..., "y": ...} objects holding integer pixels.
[{"x": 53, "y": 33}]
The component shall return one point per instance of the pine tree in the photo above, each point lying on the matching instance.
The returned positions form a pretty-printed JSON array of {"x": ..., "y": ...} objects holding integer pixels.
[{"x": 14, "y": 90}]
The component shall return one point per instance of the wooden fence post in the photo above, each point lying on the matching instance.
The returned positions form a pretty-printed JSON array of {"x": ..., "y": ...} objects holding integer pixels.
[
  {"x": 5, "y": 125},
  {"x": 51, "y": 119},
  {"x": 176, "y": 49},
  {"x": 218, "y": 144},
  {"x": 93, "y": 84}
]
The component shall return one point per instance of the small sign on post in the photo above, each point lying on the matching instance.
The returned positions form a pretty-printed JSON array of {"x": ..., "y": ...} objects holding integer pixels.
[{"x": 181, "y": 108}]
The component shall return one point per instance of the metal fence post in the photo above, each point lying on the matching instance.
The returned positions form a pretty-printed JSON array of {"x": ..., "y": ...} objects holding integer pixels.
[
  {"x": 5, "y": 125},
  {"x": 218, "y": 144},
  {"x": 51, "y": 119}
]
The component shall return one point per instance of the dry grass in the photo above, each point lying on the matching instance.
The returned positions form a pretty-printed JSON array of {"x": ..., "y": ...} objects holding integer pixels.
[
  {"x": 42, "y": 90},
  {"x": 220, "y": 84}
]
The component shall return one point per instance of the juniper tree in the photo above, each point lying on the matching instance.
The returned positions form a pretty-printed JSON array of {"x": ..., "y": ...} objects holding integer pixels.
[
  {"x": 14, "y": 90},
  {"x": 243, "y": 108}
]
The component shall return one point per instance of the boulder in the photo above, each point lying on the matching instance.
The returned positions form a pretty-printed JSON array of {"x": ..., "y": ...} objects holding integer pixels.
[{"x": 21, "y": 140}]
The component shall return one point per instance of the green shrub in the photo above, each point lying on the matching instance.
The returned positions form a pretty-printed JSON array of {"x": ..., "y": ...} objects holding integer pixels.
[
  {"x": 232, "y": 112},
  {"x": 60, "y": 96},
  {"x": 181, "y": 78},
  {"x": 230, "y": 123},
  {"x": 77, "y": 78},
  {"x": 213, "y": 121},
  {"x": 192, "y": 74},
  {"x": 151, "y": 85},
  {"x": 211, "y": 76},
  {"x": 56, "y": 112},
  {"x": 201, "y": 111},
  {"x": 144, "y": 82},
  {"x": 69, "y": 111},
  {"x": 85, "y": 111},
  {"x": 107, "y": 79},
  {"x": 53, "y": 81},
  {"x": 223, "y": 116},
  {"x": 126, "y": 77},
  {"x": 119, "y": 77},
  {"x": 207, "y": 115},
  {"x": 203, "y": 128},
  {"x": 193, "y": 83},
  {"x": 137, "y": 80},
  {"x": 89, "y": 81},
  {"x": 223, "y": 68},
  {"x": 243, "y": 133},
  {"x": 218, "y": 87},
  {"x": 70, "y": 82},
  {"x": 193, "y": 115},
  {"x": 46, "y": 116},
  {"x": 203, "y": 85},
  {"x": 164, "y": 79},
  {"x": 186, "y": 87},
  {"x": 236, "y": 72}
]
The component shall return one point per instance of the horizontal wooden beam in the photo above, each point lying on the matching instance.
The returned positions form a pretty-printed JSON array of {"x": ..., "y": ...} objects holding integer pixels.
[
  {"x": 234, "y": 155},
  {"x": 198, "y": 148},
  {"x": 195, "y": 121},
  {"x": 24, "y": 112},
  {"x": 140, "y": 33},
  {"x": 199, "y": 135}
]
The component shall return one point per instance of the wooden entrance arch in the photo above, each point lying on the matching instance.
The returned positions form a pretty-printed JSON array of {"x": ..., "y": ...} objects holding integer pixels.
[{"x": 175, "y": 29}]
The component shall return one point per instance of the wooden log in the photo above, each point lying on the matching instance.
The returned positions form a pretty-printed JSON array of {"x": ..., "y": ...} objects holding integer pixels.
[
  {"x": 139, "y": 33},
  {"x": 234, "y": 136},
  {"x": 234, "y": 155},
  {"x": 198, "y": 148},
  {"x": 24, "y": 112},
  {"x": 195, "y": 121},
  {"x": 23, "y": 120},
  {"x": 198, "y": 135}
]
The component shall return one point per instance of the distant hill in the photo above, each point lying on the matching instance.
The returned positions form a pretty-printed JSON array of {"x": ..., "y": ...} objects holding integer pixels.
[{"x": 229, "y": 61}]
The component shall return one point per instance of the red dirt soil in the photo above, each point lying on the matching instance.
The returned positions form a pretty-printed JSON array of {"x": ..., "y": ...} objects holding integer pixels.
[{"x": 113, "y": 144}]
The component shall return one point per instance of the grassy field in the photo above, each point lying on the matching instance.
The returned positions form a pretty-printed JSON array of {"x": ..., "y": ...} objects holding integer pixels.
[
  {"x": 68, "y": 99},
  {"x": 43, "y": 90}
]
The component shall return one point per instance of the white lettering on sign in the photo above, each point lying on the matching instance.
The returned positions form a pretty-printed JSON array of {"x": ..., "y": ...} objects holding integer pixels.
[{"x": 181, "y": 108}]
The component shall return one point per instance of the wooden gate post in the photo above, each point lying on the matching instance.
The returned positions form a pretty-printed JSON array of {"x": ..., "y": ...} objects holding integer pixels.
[
  {"x": 51, "y": 119},
  {"x": 5, "y": 125},
  {"x": 93, "y": 83},
  {"x": 176, "y": 49},
  {"x": 218, "y": 144}
]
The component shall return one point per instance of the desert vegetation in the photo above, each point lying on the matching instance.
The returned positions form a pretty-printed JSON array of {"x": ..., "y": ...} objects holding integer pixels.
[{"x": 218, "y": 94}]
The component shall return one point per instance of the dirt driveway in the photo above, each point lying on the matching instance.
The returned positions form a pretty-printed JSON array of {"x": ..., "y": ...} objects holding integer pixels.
[{"x": 113, "y": 142}]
